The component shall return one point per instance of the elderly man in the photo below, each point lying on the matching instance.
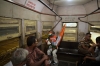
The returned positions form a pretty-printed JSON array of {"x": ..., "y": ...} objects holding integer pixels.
[{"x": 19, "y": 57}]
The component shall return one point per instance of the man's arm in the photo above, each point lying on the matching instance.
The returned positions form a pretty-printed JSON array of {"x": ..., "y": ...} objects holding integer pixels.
[
  {"x": 91, "y": 58},
  {"x": 38, "y": 63},
  {"x": 91, "y": 49},
  {"x": 84, "y": 47}
]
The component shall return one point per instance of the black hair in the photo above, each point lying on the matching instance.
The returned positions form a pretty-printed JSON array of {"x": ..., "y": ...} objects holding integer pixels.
[
  {"x": 88, "y": 33},
  {"x": 31, "y": 40},
  {"x": 98, "y": 39}
]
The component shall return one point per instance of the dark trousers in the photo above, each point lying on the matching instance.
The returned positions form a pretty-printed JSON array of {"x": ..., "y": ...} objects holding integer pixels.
[{"x": 94, "y": 63}]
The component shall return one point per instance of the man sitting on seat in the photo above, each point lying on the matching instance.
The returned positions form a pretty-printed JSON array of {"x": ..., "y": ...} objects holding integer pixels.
[
  {"x": 36, "y": 57},
  {"x": 52, "y": 47},
  {"x": 85, "y": 44},
  {"x": 95, "y": 60},
  {"x": 19, "y": 57}
]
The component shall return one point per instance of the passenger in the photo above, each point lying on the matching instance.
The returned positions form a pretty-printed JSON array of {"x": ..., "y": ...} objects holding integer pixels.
[
  {"x": 19, "y": 57},
  {"x": 52, "y": 47},
  {"x": 85, "y": 44},
  {"x": 95, "y": 60},
  {"x": 36, "y": 57}
]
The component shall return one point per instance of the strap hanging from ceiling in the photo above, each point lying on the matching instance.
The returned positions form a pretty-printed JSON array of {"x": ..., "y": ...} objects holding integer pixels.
[
  {"x": 90, "y": 14},
  {"x": 52, "y": 11}
]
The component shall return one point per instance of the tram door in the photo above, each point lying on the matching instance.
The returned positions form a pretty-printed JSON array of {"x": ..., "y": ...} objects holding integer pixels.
[{"x": 70, "y": 33}]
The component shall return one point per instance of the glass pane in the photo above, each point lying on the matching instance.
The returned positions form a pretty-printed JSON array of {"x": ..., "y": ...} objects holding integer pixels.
[
  {"x": 47, "y": 27},
  {"x": 95, "y": 28},
  {"x": 8, "y": 30},
  {"x": 30, "y": 28},
  {"x": 70, "y": 24}
]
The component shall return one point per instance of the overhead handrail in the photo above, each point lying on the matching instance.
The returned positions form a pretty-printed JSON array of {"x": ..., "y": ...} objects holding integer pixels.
[
  {"x": 52, "y": 11},
  {"x": 90, "y": 14}
]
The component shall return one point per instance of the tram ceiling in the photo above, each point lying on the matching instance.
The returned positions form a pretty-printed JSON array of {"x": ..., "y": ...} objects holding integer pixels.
[
  {"x": 93, "y": 12},
  {"x": 68, "y": 2}
]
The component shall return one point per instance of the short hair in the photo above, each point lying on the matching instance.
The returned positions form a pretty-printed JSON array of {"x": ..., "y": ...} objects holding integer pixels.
[
  {"x": 31, "y": 40},
  {"x": 19, "y": 56},
  {"x": 98, "y": 39},
  {"x": 88, "y": 33}
]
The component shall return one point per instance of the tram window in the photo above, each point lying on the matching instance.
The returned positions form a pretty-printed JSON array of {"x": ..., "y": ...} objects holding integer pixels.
[
  {"x": 30, "y": 28},
  {"x": 95, "y": 28},
  {"x": 70, "y": 24},
  {"x": 70, "y": 33},
  {"x": 8, "y": 30},
  {"x": 47, "y": 27}
]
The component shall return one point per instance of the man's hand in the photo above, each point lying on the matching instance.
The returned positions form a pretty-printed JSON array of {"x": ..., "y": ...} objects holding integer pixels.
[
  {"x": 45, "y": 57},
  {"x": 85, "y": 58},
  {"x": 94, "y": 45}
]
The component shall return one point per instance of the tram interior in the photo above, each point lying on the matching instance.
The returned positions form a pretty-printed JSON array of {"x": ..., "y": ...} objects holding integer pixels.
[{"x": 22, "y": 18}]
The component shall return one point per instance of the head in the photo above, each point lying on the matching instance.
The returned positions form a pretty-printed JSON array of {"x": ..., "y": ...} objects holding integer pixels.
[
  {"x": 19, "y": 57},
  {"x": 98, "y": 41},
  {"x": 88, "y": 36},
  {"x": 32, "y": 41},
  {"x": 53, "y": 33}
]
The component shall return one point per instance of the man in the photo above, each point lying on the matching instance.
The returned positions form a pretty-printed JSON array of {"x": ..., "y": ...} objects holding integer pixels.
[
  {"x": 36, "y": 57},
  {"x": 85, "y": 44},
  {"x": 95, "y": 60},
  {"x": 52, "y": 47},
  {"x": 19, "y": 57}
]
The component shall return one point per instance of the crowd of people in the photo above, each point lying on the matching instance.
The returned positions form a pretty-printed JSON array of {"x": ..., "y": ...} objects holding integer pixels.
[
  {"x": 90, "y": 50},
  {"x": 33, "y": 56}
]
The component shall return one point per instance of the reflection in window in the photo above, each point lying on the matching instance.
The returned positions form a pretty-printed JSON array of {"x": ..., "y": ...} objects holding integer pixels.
[
  {"x": 8, "y": 30},
  {"x": 47, "y": 27},
  {"x": 30, "y": 28}
]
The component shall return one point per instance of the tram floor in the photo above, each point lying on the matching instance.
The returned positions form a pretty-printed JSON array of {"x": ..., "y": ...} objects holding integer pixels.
[{"x": 65, "y": 63}]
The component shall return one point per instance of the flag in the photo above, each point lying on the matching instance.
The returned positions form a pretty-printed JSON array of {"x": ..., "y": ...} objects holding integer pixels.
[{"x": 60, "y": 36}]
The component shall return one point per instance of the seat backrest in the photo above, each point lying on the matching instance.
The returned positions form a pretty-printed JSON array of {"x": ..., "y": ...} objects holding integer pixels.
[{"x": 69, "y": 45}]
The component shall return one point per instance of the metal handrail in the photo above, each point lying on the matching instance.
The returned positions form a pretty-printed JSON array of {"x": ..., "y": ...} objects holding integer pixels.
[{"x": 52, "y": 11}]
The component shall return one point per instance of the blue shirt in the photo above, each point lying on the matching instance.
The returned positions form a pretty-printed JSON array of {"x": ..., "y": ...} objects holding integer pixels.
[{"x": 97, "y": 54}]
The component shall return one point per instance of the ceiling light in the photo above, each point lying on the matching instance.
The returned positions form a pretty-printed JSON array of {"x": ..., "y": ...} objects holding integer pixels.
[{"x": 69, "y": 0}]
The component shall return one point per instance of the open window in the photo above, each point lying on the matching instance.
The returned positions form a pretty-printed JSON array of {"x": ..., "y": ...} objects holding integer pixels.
[
  {"x": 30, "y": 26},
  {"x": 9, "y": 28}
]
